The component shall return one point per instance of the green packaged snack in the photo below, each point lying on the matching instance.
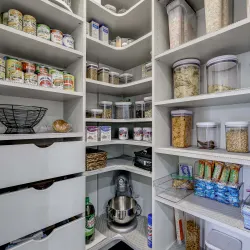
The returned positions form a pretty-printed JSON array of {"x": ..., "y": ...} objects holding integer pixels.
[
  {"x": 234, "y": 173},
  {"x": 225, "y": 175},
  {"x": 218, "y": 167},
  {"x": 209, "y": 169},
  {"x": 201, "y": 169}
]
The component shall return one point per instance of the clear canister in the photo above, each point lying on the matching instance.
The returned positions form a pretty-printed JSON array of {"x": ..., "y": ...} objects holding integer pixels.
[
  {"x": 114, "y": 78},
  {"x": 107, "y": 109},
  {"x": 193, "y": 232},
  {"x": 186, "y": 77},
  {"x": 103, "y": 74},
  {"x": 96, "y": 113},
  {"x": 208, "y": 135},
  {"x": 222, "y": 74},
  {"x": 148, "y": 107},
  {"x": 126, "y": 78},
  {"x": 237, "y": 137},
  {"x": 139, "y": 109},
  {"x": 148, "y": 68},
  {"x": 92, "y": 71},
  {"x": 123, "y": 110},
  {"x": 181, "y": 128}
]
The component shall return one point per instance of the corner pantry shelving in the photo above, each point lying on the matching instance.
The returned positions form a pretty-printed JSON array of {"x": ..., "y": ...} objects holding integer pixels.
[{"x": 121, "y": 142}]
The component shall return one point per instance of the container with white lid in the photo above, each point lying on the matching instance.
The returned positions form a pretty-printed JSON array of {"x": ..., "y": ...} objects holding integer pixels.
[
  {"x": 96, "y": 113},
  {"x": 139, "y": 109},
  {"x": 148, "y": 107},
  {"x": 148, "y": 68},
  {"x": 110, "y": 7},
  {"x": 103, "y": 74},
  {"x": 123, "y": 110},
  {"x": 114, "y": 78},
  {"x": 126, "y": 78},
  {"x": 92, "y": 71},
  {"x": 208, "y": 135},
  {"x": 186, "y": 78},
  {"x": 107, "y": 108},
  {"x": 222, "y": 73},
  {"x": 237, "y": 137}
]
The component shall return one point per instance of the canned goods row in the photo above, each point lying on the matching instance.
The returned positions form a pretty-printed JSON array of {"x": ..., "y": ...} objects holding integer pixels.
[{"x": 27, "y": 23}]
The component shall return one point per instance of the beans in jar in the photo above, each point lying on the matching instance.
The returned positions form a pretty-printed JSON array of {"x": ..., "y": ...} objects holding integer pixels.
[{"x": 92, "y": 71}]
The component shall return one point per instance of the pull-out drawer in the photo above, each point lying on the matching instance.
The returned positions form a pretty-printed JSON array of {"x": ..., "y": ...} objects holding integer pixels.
[
  {"x": 22, "y": 164},
  {"x": 29, "y": 210},
  {"x": 67, "y": 237}
]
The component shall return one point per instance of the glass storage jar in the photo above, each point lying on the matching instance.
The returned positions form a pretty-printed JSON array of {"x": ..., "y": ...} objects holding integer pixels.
[
  {"x": 114, "y": 77},
  {"x": 207, "y": 135},
  {"x": 126, "y": 78},
  {"x": 149, "y": 69},
  {"x": 186, "y": 74},
  {"x": 92, "y": 71},
  {"x": 181, "y": 128},
  {"x": 139, "y": 109},
  {"x": 148, "y": 107},
  {"x": 193, "y": 232},
  {"x": 222, "y": 74},
  {"x": 103, "y": 74},
  {"x": 96, "y": 113},
  {"x": 107, "y": 109},
  {"x": 237, "y": 137},
  {"x": 123, "y": 110}
]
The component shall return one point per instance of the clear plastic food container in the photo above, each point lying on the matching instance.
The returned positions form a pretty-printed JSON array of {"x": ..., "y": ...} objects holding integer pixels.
[
  {"x": 186, "y": 74},
  {"x": 123, "y": 110},
  {"x": 237, "y": 137},
  {"x": 139, "y": 109},
  {"x": 208, "y": 135},
  {"x": 96, "y": 113},
  {"x": 148, "y": 107},
  {"x": 92, "y": 71},
  {"x": 126, "y": 78},
  {"x": 222, "y": 74},
  {"x": 148, "y": 68},
  {"x": 103, "y": 74},
  {"x": 114, "y": 78},
  {"x": 193, "y": 233},
  {"x": 181, "y": 128},
  {"x": 107, "y": 108}
]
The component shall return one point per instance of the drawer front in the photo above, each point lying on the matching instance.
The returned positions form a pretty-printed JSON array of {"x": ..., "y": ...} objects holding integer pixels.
[
  {"x": 29, "y": 163},
  {"x": 69, "y": 236},
  {"x": 29, "y": 210}
]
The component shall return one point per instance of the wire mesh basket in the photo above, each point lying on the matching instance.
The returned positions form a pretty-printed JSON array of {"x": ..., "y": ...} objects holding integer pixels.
[{"x": 20, "y": 119}]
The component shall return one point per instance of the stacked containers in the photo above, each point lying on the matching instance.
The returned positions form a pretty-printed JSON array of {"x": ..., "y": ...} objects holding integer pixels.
[{"x": 92, "y": 71}]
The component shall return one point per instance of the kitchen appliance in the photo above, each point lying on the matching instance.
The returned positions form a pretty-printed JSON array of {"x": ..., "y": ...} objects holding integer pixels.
[{"x": 143, "y": 159}]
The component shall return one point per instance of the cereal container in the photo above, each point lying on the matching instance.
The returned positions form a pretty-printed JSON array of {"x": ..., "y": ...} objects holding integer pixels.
[
  {"x": 57, "y": 36},
  {"x": 193, "y": 232},
  {"x": 181, "y": 128},
  {"x": 29, "y": 24},
  {"x": 123, "y": 110},
  {"x": 107, "y": 109},
  {"x": 94, "y": 29},
  {"x": 114, "y": 78},
  {"x": 103, "y": 74},
  {"x": 237, "y": 137},
  {"x": 92, "y": 71},
  {"x": 15, "y": 19}
]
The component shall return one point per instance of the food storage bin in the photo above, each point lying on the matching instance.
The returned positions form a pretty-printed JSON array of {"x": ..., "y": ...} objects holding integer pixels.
[
  {"x": 237, "y": 137},
  {"x": 181, "y": 128},
  {"x": 148, "y": 107},
  {"x": 139, "y": 109},
  {"x": 103, "y": 74},
  {"x": 92, "y": 71},
  {"x": 96, "y": 113},
  {"x": 107, "y": 108},
  {"x": 182, "y": 23},
  {"x": 245, "y": 211},
  {"x": 219, "y": 241},
  {"x": 186, "y": 77},
  {"x": 207, "y": 135},
  {"x": 222, "y": 74},
  {"x": 148, "y": 68},
  {"x": 123, "y": 110},
  {"x": 126, "y": 78},
  {"x": 114, "y": 77}
]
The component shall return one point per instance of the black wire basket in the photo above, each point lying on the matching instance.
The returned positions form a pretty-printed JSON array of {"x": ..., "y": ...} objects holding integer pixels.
[{"x": 20, "y": 119}]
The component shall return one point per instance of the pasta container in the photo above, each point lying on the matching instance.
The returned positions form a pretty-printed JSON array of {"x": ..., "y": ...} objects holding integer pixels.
[
  {"x": 92, "y": 71},
  {"x": 114, "y": 78},
  {"x": 103, "y": 74}
]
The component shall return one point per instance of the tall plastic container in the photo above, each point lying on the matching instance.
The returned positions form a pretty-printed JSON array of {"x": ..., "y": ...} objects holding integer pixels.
[
  {"x": 193, "y": 232},
  {"x": 150, "y": 231}
]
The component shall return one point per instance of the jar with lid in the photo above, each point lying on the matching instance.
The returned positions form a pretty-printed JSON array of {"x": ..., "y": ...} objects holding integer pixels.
[
  {"x": 222, "y": 74},
  {"x": 96, "y": 113},
  {"x": 92, "y": 71},
  {"x": 193, "y": 232},
  {"x": 107, "y": 108},
  {"x": 208, "y": 135},
  {"x": 237, "y": 137},
  {"x": 148, "y": 68},
  {"x": 186, "y": 77},
  {"x": 181, "y": 128},
  {"x": 139, "y": 109},
  {"x": 123, "y": 110},
  {"x": 114, "y": 78},
  {"x": 148, "y": 107},
  {"x": 103, "y": 74},
  {"x": 126, "y": 78}
]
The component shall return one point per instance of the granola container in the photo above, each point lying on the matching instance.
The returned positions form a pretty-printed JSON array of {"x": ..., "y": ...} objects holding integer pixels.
[
  {"x": 114, "y": 78},
  {"x": 103, "y": 74}
]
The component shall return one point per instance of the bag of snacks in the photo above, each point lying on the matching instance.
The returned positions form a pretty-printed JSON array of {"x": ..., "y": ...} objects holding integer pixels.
[
  {"x": 234, "y": 174},
  {"x": 218, "y": 167},
  {"x": 225, "y": 175},
  {"x": 201, "y": 169},
  {"x": 209, "y": 169}
]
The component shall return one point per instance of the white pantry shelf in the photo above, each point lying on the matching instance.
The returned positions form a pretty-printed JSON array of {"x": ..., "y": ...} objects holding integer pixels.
[
  {"x": 20, "y": 44},
  {"x": 123, "y": 58},
  {"x": 36, "y": 92},
  {"x": 143, "y": 86},
  {"x": 135, "y": 120},
  {"x": 135, "y": 22},
  {"x": 233, "y": 39},
  {"x": 122, "y": 142}
]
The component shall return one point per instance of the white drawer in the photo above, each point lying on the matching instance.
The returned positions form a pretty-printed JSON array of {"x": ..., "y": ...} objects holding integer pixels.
[
  {"x": 28, "y": 163},
  {"x": 29, "y": 210},
  {"x": 69, "y": 236}
]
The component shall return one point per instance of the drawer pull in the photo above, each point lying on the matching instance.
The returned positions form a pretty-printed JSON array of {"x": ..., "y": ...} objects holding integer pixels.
[
  {"x": 43, "y": 185},
  {"x": 44, "y": 145}
]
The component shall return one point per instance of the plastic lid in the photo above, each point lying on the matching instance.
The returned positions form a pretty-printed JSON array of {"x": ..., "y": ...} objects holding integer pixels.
[
  {"x": 140, "y": 102},
  {"x": 99, "y": 111},
  {"x": 123, "y": 103},
  {"x": 207, "y": 124},
  {"x": 181, "y": 112},
  {"x": 186, "y": 61},
  {"x": 126, "y": 75},
  {"x": 123, "y": 128},
  {"x": 236, "y": 124},
  {"x": 105, "y": 103},
  {"x": 148, "y": 65},
  {"x": 92, "y": 65},
  {"x": 87, "y": 200},
  {"x": 149, "y": 98},
  {"x": 227, "y": 58},
  {"x": 183, "y": 4},
  {"x": 103, "y": 68},
  {"x": 114, "y": 74}
]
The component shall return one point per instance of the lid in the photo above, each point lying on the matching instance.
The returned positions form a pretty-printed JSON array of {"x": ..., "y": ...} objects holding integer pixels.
[
  {"x": 87, "y": 200},
  {"x": 103, "y": 69},
  {"x": 181, "y": 112},
  {"x": 148, "y": 65},
  {"x": 123, "y": 103},
  {"x": 236, "y": 124},
  {"x": 123, "y": 128},
  {"x": 126, "y": 75},
  {"x": 99, "y": 111},
  {"x": 176, "y": 3},
  {"x": 114, "y": 74},
  {"x": 220, "y": 241},
  {"x": 207, "y": 124},
  {"x": 92, "y": 65},
  {"x": 124, "y": 44},
  {"x": 147, "y": 99},
  {"x": 221, "y": 63},
  {"x": 109, "y": 6},
  {"x": 140, "y": 102},
  {"x": 186, "y": 61},
  {"x": 105, "y": 103}
]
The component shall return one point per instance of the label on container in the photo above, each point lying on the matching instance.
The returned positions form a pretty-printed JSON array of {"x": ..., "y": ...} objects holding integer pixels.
[
  {"x": 90, "y": 225},
  {"x": 45, "y": 80}
]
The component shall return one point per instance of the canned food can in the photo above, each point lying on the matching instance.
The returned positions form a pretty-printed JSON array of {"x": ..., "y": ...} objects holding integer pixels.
[
  {"x": 68, "y": 41},
  {"x": 30, "y": 78},
  {"x": 43, "y": 31},
  {"x": 29, "y": 24},
  {"x": 41, "y": 69},
  {"x": 15, "y": 19},
  {"x": 2, "y": 62},
  {"x": 68, "y": 82},
  {"x": 57, "y": 36},
  {"x": 16, "y": 76},
  {"x": 12, "y": 65},
  {"x": 57, "y": 78},
  {"x": 44, "y": 80},
  {"x": 28, "y": 67},
  {"x": 5, "y": 17},
  {"x": 2, "y": 75}
]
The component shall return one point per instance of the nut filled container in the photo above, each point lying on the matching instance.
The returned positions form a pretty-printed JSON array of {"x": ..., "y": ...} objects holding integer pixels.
[
  {"x": 96, "y": 113},
  {"x": 237, "y": 137},
  {"x": 92, "y": 71},
  {"x": 114, "y": 78},
  {"x": 103, "y": 74},
  {"x": 107, "y": 109},
  {"x": 126, "y": 78},
  {"x": 181, "y": 128},
  {"x": 139, "y": 109},
  {"x": 148, "y": 107},
  {"x": 123, "y": 110},
  {"x": 193, "y": 233}
]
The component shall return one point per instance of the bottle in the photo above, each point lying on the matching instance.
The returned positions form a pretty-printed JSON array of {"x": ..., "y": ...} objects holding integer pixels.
[
  {"x": 90, "y": 222},
  {"x": 150, "y": 230}
]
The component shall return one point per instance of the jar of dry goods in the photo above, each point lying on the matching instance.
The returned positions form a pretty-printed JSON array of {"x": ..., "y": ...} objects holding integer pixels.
[
  {"x": 181, "y": 128},
  {"x": 96, "y": 113},
  {"x": 123, "y": 110},
  {"x": 148, "y": 68},
  {"x": 186, "y": 74},
  {"x": 103, "y": 74},
  {"x": 237, "y": 137},
  {"x": 139, "y": 109},
  {"x": 148, "y": 107},
  {"x": 192, "y": 238},
  {"x": 107, "y": 109},
  {"x": 92, "y": 71},
  {"x": 114, "y": 77},
  {"x": 222, "y": 73},
  {"x": 126, "y": 78}
]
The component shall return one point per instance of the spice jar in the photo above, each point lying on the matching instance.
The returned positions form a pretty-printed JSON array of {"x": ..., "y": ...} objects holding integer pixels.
[
  {"x": 139, "y": 109},
  {"x": 237, "y": 137},
  {"x": 186, "y": 74},
  {"x": 207, "y": 135},
  {"x": 92, "y": 71},
  {"x": 107, "y": 109},
  {"x": 96, "y": 113},
  {"x": 222, "y": 73},
  {"x": 103, "y": 74},
  {"x": 123, "y": 133},
  {"x": 181, "y": 128},
  {"x": 123, "y": 110},
  {"x": 192, "y": 238},
  {"x": 148, "y": 107},
  {"x": 114, "y": 77},
  {"x": 148, "y": 68},
  {"x": 126, "y": 78}
]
